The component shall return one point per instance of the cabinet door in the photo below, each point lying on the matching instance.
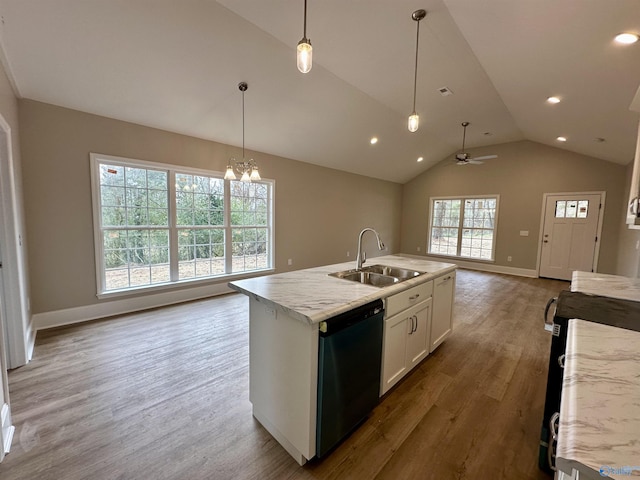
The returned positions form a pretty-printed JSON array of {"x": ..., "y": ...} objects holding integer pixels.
[
  {"x": 442, "y": 315},
  {"x": 394, "y": 351},
  {"x": 419, "y": 323}
]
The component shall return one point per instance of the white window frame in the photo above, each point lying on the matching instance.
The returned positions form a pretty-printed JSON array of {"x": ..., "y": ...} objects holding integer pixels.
[
  {"x": 461, "y": 227},
  {"x": 96, "y": 159}
]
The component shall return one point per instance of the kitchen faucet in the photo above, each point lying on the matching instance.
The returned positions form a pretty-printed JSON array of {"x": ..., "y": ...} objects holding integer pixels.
[{"x": 362, "y": 256}]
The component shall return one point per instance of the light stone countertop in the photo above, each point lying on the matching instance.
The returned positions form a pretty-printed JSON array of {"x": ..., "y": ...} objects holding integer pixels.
[
  {"x": 311, "y": 295},
  {"x": 600, "y": 410},
  {"x": 613, "y": 286}
]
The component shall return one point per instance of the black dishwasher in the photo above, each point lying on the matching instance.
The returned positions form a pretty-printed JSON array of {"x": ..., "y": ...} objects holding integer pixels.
[{"x": 349, "y": 360}]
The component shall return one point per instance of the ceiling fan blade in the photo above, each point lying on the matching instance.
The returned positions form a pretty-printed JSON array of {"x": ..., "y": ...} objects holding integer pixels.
[
  {"x": 484, "y": 157},
  {"x": 462, "y": 162},
  {"x": 474, "y": 161}
]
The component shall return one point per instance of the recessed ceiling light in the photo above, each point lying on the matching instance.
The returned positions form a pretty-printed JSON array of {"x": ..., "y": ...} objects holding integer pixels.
[
  {"x": 562, "y": 139},
  {"x": 374, "y": 140},
  {"x": 420, "y": 159},
  {"x": 627, "y": 38},
  {"x": 553, "y": 100}
]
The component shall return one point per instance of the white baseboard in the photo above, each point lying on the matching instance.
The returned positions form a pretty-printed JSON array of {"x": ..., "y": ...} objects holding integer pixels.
[
  {"x": 7, "y": 430},
  {"x": 69, "y": 316},
  {"x": 488, "y": 267}
]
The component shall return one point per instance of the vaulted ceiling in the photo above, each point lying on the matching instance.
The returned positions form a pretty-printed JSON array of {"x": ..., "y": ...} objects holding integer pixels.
[{"x": 175, "y": 65}]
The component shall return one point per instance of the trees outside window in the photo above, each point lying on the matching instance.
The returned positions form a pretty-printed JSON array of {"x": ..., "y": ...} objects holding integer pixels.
[
  {"x": 158, "y": 224},
  {"x": 463, "y": 227}
]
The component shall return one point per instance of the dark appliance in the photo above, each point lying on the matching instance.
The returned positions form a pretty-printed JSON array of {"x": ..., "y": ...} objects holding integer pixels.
[
  {"x": 568, "y": 305},
  {"x": 349, "y": 361}
]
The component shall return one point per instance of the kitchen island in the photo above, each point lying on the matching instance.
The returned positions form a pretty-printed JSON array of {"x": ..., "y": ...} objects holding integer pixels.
[{"x": 286, "y": 314}]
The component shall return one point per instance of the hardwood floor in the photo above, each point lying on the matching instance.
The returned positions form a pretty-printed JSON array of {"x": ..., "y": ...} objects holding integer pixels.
[{"x": 163, "y": 394}]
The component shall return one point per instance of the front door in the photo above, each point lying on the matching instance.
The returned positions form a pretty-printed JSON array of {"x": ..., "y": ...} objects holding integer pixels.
[{"x": 569, "y": 234}]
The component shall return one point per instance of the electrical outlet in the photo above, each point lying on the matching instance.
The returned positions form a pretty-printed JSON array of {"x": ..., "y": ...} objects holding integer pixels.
[
  {"x": 418, "y": 249},
  {"x": 509, "y": 258},
  {"x": 347, "y": 254},
  {"x": 290, "y": 262}
]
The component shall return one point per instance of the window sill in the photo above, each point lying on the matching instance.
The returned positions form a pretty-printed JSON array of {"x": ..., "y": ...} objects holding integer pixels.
[
  {"x": 464, "y": 259},
  {"x": 148, "y": 289}
]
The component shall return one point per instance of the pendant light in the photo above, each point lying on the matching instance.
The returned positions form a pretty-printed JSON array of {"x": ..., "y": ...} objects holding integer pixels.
[
  {"x": 304, "y": 55},
  {"x": 247, "y": 169},
  {"x": 414, "y": 118}
]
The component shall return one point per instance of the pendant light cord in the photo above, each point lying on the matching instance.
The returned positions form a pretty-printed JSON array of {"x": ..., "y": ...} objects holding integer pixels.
[
  {"x": 415, "y": 75},
  {"x": 243, "y": 125},
  {"x": 464, "y": 136},
  {"x": 304, "y": 34}
]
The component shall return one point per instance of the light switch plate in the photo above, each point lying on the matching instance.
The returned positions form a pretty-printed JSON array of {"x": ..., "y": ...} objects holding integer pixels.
[{"x": 524, "y": 233}]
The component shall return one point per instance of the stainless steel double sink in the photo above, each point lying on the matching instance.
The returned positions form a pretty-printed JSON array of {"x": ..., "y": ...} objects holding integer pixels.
[{"x": 378, "y": 275}]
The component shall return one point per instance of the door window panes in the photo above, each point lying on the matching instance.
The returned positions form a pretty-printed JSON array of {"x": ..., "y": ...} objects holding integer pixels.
[{"x": 572, "y": 208}]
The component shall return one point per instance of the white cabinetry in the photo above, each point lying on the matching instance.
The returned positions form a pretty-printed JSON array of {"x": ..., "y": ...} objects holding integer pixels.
[
  {"x": 406, "y": 333},
  {"x": 442, "y": 316}
]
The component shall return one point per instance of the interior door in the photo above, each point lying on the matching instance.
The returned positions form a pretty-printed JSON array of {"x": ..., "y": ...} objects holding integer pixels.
[{"x": 569, "y": 234}]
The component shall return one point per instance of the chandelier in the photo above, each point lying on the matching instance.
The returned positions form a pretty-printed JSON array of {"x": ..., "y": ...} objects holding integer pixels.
[{"x": 247, "y": 169}]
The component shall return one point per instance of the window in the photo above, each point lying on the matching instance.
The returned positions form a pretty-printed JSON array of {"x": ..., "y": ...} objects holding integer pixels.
[
  {"x": 158, "y": 224},
  {"x": 572, "y": 208},
  {"x": 463, "y": 227}
]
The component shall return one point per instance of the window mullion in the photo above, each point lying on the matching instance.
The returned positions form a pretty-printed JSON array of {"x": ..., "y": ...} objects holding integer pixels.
[
  {"x": 460, "y": 227},
  {"x": 173, "y": 229},
  {"x": 228, "y": 247}
]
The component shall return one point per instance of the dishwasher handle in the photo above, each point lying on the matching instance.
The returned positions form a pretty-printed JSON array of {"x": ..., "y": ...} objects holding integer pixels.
[{"x": 548, "y": 325}]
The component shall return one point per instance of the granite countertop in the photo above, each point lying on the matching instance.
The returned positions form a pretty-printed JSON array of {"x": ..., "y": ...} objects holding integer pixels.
[
  {"x": 613, "y": 286},
  {"x": 312, "y": 296},
  {"x": 599, "y": 427}
]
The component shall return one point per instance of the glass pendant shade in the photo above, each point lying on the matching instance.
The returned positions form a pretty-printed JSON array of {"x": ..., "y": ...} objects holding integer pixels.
[
  {"x": 414, "y": 122},
  {"x": 255, "y": 175},
  {"x": 229, "y": 175},
  {"x": 245, "y": 177},
  {"x": 304, "y": 55}
]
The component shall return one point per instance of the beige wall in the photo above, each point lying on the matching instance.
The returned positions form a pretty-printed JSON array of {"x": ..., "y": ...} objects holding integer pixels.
[
  {"x": 318, "y": 211},
  {"x": 521, "y": 174},
  {"x": 628, "y": 252}
]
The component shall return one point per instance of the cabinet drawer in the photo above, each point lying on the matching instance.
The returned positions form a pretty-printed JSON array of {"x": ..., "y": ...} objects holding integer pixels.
[{"x": 400, "y": 301}]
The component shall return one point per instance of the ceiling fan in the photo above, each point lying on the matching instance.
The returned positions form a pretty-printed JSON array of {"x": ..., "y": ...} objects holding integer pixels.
[{"x": 464, "y": 158}]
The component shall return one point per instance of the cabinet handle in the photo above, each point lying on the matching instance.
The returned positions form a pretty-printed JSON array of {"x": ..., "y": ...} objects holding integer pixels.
[
  {"x": 561, "y": 361},
  {"x": 546, "y": 310},
  {"x": 414, "y": 296},
  {"x": 553, "y": 437},
  {"x": 414, "y": 326}
]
